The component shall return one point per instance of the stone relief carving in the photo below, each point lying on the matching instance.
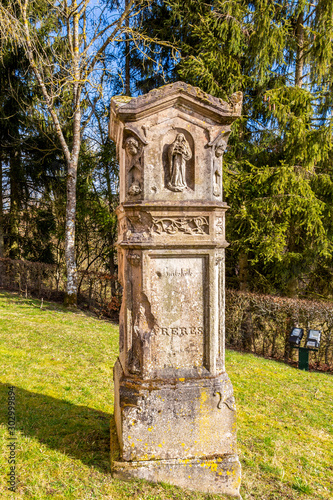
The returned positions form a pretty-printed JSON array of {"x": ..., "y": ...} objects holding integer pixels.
[
  {"x": 123, "y": 227},
  {"x": 236, "y": 101},
  {"x": 220, "y": 148},
  {"x": 179, "y": 153},
  {"x": 134, "y": 259},
  {"x": 136, "y": 227},
  {"x": 219, "y": 145},
  {"x": 219, "y": 259},
  {"x": 175, "y": 225},
  {"x": 229, "y": 402},
  {"x": 219, "y": 226},
  {"x": 133, "y": 150}
]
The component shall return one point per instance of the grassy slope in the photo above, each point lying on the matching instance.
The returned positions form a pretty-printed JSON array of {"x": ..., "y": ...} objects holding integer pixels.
[{"x": 61, "y": 364}]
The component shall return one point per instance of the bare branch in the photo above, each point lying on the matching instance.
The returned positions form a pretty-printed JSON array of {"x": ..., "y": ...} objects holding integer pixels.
[
  {"x": 109, "y": 38},
  {"x": 48, "y": 99}
]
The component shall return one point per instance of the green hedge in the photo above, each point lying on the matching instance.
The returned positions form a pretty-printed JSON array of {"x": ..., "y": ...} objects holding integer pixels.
[{"x": 262, "y": 324}]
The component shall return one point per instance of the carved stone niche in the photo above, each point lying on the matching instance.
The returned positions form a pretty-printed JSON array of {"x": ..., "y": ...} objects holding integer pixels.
[
  {"x": 218, "y": 147},
  {"x": 133, "y": 145},
  {"x": 180, "y": 136},
  {"x": 174, "y": 406},
  {"x": 178, "y": 160}
]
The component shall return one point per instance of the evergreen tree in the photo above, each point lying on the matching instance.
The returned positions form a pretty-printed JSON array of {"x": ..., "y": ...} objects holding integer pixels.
[{"x": 279, "y": 54}]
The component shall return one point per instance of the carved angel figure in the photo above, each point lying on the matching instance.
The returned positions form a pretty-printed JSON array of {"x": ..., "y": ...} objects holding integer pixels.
[
  {"x": 132, "y": 149},
  {"x": 179, "y": 153},
  {"x": 131, "y": 146}
]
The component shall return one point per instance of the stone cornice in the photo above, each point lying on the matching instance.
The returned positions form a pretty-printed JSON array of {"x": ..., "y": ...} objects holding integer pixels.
[{"x": 178, "y": 94}]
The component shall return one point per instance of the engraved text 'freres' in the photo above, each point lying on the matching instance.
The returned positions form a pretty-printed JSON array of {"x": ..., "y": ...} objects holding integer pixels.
[{"x": 179, "y": 330}]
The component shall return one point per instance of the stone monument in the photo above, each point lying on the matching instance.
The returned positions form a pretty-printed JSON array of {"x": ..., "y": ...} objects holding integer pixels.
[{"x": 174, "y": 405}]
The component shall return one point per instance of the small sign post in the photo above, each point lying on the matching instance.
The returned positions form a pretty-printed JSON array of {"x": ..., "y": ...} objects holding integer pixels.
[{"x": 312, "y": 344}]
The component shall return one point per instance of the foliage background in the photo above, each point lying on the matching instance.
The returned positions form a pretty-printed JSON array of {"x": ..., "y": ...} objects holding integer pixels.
[{"x": 278, "y": 166}]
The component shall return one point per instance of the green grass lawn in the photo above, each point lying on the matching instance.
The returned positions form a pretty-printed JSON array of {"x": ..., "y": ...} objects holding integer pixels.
[{"x": 60, "y": 363}]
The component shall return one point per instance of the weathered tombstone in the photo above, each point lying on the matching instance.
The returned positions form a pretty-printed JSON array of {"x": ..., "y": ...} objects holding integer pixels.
[{"x": 174, "y": 405}]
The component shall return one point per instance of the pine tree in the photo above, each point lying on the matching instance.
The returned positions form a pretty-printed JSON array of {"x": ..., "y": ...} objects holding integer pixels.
[{"x": 279, "y": 54}]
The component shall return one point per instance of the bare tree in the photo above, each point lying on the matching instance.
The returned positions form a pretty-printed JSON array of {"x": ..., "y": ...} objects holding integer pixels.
[{"x": 66, "y": 42}]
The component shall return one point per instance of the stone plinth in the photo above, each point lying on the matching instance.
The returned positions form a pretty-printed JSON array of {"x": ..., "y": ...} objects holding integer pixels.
[{"x": 174, "y": 405}]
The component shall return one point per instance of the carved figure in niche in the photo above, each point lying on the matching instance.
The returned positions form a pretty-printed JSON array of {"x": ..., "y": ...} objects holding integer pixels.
[
  {"x": 132, "y": 149},
  {"x": 219, "y": 150},
  {"x": 179, "y": 153}
]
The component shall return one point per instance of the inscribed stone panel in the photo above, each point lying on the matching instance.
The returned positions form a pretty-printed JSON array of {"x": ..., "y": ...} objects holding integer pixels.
[{"x": 177, "y": 300}]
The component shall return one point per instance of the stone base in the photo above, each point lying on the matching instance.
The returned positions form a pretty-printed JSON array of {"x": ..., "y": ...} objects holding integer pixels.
[
  {"x": 181, "y": 432},
  {"x": 183, "y": 418},
  {"x": 220, "y": 475}
]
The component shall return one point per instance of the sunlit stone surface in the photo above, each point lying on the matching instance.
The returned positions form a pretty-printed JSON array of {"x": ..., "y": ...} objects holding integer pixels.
[{"x": 174, "y": 405}]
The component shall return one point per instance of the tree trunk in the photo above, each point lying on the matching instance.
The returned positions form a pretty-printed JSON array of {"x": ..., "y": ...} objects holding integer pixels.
[
  {"x": 71, "y": 288},
  {"x": 16, "y": 180},
  {"x": 127, "y": 58},
  {"x": 111, "y": 234},
  {"x": 300, "y": 50}
]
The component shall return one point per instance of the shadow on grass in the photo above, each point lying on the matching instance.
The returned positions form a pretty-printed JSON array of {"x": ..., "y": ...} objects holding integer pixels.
[{"x": 77, "y": 431}]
